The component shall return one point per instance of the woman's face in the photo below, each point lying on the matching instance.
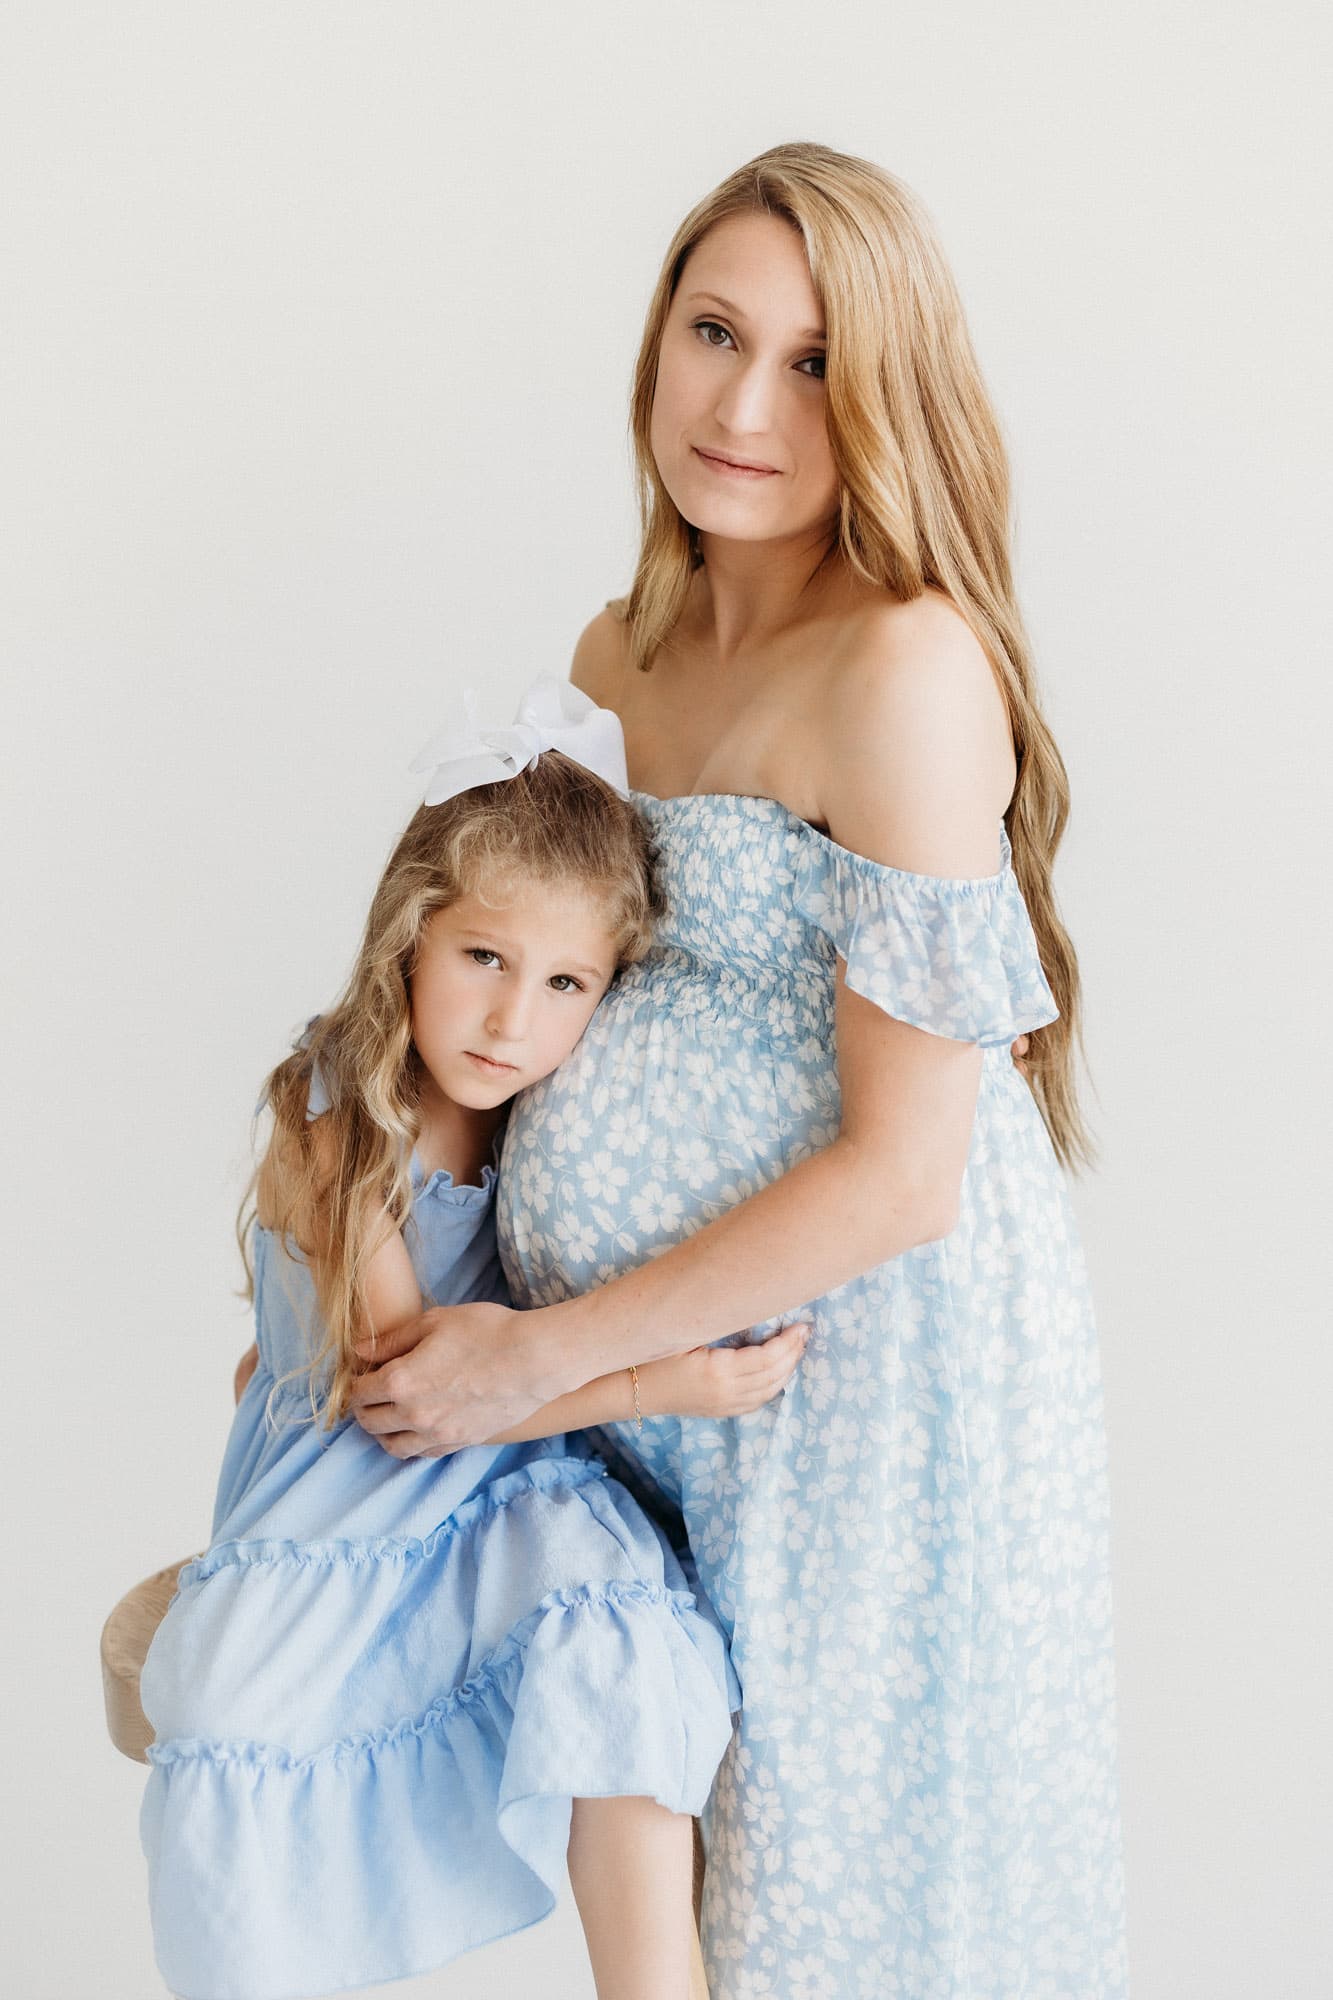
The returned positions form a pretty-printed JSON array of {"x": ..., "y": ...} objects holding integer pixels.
[{"x": 740, "y": 378}]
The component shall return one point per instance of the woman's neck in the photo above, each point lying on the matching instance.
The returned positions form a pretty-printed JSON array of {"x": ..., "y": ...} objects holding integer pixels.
[{"x": 748, "y": 593}]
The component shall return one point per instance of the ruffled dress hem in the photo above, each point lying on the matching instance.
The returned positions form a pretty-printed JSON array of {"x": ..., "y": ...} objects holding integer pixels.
[{"x": 409, "y": 1846}]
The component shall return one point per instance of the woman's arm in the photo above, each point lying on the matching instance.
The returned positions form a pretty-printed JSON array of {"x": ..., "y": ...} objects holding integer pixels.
[
  {"x": 917, "y": 767},
  {"x": 722, "y": 1382},
  {"x": 916, "y": 770},
  {"x": 888, "y": 1183}
]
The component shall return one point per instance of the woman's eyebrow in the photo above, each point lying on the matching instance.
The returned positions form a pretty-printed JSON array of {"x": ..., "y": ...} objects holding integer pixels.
[{"x": 809, "y": 333}]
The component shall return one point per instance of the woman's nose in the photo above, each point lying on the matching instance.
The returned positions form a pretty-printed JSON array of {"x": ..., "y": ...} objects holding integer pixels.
[{"x": 745, "y": 407}]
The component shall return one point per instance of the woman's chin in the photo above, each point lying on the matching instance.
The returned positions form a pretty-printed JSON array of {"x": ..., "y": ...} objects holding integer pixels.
[
  {"x": 739, "y": 516},
  {"x": 735, "y": 521}
]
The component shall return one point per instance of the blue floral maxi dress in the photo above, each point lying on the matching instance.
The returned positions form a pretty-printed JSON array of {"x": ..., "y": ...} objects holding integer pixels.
[{"x": 910, "y": 1546}]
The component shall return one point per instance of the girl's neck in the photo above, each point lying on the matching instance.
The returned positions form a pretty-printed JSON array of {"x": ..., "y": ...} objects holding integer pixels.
[{"x": 454, "y": 1136}]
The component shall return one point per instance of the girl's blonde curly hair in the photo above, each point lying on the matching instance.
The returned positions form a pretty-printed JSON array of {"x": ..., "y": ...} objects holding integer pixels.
[{"x": 330, "y": 1188}]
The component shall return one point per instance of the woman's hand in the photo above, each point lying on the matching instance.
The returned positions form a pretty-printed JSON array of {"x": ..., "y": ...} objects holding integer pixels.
[
  {"x": 1018, "y": 1050},
  {"x": 245, "y": 1368},
  {"x": 456, "y": 1376},
  {"x": 721, "y": 1381}
]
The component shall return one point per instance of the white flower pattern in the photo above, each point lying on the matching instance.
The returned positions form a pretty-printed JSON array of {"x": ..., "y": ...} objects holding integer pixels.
[{"x": 910, "y": 1547}]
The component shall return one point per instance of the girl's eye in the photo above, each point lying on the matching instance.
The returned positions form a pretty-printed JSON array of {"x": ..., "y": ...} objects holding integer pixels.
[
  {"x": 565, "y": 982},
  {"x": 483, "y": 954}
]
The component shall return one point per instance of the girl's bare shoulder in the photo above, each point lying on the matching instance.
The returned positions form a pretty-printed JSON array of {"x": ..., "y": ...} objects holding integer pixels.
[{"x": 292, "y": 1183}]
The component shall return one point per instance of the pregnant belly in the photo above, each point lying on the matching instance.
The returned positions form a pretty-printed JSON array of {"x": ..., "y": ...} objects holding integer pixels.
[{"x": 660, "y": 1120}]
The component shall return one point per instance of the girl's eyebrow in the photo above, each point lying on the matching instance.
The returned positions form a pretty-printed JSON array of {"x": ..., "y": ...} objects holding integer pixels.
[
  {"x": 496, "y": 941},
  {"x": 593, "y": 972},
  {"x": 810, "y": 332}
]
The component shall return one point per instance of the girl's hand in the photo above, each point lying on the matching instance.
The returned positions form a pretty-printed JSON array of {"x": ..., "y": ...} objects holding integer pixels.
[
  {"x": 1018, "y": 1050},
  {"x": 245, "y": 1368},
  {"x": 721, "y": 1381}
]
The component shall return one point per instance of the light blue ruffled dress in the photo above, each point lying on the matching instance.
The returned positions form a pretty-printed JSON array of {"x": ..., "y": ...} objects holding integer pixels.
[
  {"x": 910, "y": 1546},
  {"x": 377, "y": 1693}
]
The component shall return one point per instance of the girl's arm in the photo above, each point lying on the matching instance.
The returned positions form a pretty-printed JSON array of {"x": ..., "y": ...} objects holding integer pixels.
[
  {"x": 705, "y": 1382},
  {"x": 918, "y": 766},
  {"x": 245, "y": 1368}
]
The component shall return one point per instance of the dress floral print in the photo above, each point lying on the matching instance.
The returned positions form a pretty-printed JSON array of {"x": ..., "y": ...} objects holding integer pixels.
[{"x": 909, "y": 1547}]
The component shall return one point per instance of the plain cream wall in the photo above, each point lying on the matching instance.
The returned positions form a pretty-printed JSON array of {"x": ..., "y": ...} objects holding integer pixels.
[{"x": 317, "y": 329}]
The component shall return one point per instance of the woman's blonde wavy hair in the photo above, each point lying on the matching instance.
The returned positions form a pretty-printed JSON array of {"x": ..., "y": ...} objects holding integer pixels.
[
  {"x": 925, "y": 494},
  {"x": 330, "y": 1187}
]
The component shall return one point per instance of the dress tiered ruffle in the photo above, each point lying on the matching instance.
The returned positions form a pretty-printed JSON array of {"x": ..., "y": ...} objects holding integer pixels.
[{"x": 377, "y": 1693}]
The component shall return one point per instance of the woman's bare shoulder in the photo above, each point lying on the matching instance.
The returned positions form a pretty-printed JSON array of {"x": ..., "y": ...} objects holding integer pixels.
[
  {"x": 915, "y": 748},
  {"x": 601, "y": 653},
  {"x": 926, "y": 635},
  {"x": 919, "y": 657}
]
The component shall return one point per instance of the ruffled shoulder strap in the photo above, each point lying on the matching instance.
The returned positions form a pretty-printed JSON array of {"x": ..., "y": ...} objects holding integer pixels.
[
  {"x": 955, "y": 955},
  {"x": 318, "y": 1100}
]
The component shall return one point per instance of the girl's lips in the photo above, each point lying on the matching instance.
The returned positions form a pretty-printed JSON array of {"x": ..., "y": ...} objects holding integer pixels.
[
  {"x": 490, "y": 1068},
  {"x": 730, "y": 471}
]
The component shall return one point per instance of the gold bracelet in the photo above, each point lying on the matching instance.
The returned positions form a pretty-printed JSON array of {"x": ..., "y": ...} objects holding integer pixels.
[{"x": 634, "y": 1378}]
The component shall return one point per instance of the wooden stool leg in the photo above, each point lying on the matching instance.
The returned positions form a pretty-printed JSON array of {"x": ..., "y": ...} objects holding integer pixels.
[{"x": 698, "y": 1977}]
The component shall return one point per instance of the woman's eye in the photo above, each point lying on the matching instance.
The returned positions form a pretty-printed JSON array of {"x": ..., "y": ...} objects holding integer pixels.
[
  {"x": 703, "y": 327},
  {"x": 817, "y": 362}
]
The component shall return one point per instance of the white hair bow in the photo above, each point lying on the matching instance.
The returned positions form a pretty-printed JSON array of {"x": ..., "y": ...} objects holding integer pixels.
[{"x": 552, "y": 715}]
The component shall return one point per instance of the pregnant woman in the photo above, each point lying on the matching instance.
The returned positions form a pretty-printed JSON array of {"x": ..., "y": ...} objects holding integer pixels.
[{"x": 803, "y": 1098}]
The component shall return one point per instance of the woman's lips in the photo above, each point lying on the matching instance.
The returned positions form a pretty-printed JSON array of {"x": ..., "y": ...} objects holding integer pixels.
[
  {"x": 489, "y": 1068},
  {"x": 729, "y": 470}
]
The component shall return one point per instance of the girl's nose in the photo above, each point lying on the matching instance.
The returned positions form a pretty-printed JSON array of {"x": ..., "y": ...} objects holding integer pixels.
[{"x": 507, "y": 1019}]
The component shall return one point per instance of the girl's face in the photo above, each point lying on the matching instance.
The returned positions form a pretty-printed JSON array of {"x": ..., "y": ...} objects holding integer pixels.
[
  {"x": 499, "y": 996},
  {"x": 740, "y": 378}
]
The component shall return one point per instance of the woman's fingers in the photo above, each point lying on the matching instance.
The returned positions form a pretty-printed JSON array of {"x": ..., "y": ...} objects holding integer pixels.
[
  {"x": 392, "y": 1341},
  {"x": 380, "y": 1419},
  {"x": 404, "y": 1444}
]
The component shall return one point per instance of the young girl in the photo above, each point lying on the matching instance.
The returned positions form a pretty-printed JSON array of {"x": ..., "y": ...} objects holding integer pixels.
[{"x": 378, "y": 1692}]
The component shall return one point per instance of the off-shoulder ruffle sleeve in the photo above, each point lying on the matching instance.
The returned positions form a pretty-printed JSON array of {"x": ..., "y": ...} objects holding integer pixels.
[{"x": 955, "y": 955}]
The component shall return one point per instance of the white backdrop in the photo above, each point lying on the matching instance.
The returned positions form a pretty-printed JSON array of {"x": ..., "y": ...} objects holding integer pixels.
[{"x": 317, "y": 328}]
